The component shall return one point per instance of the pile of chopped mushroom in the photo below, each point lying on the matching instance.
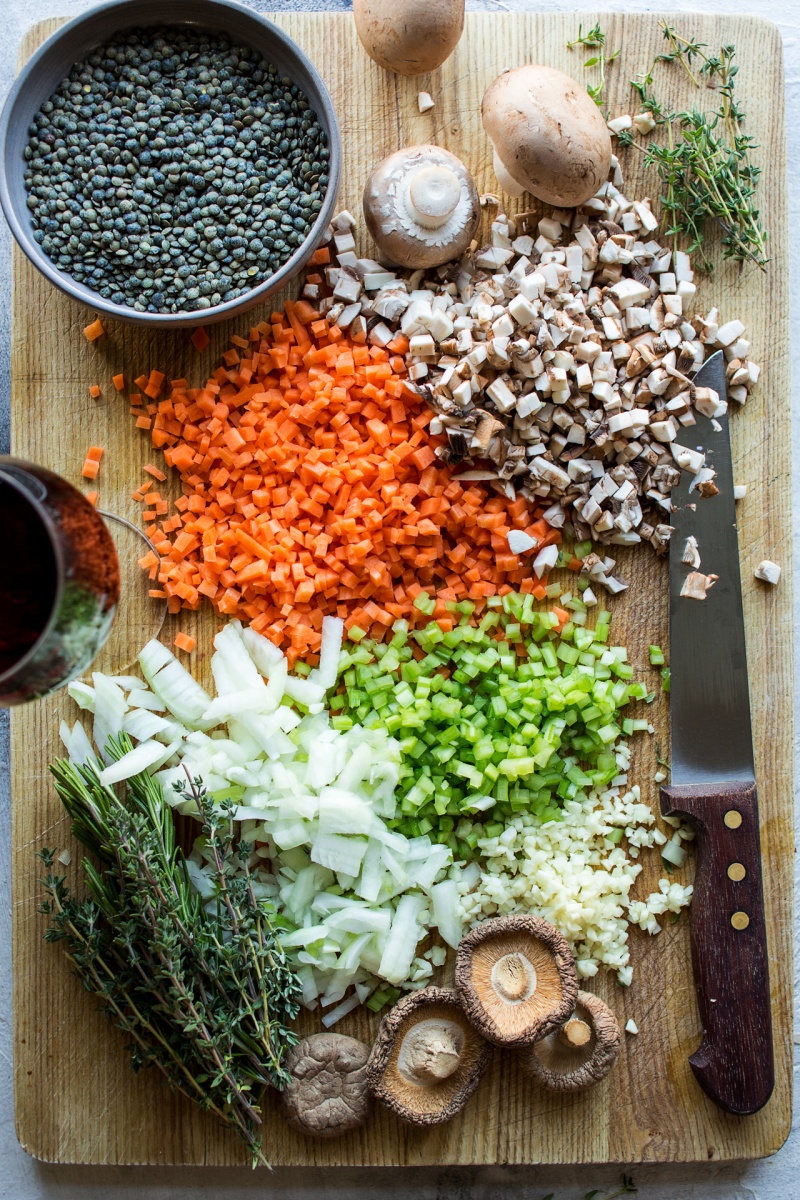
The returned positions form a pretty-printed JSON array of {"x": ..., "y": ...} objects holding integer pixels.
[{"x": 559, "y": 362}]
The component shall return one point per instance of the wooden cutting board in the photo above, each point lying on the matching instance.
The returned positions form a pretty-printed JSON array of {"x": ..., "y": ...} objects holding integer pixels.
[{"x": 76, "y": 1099}]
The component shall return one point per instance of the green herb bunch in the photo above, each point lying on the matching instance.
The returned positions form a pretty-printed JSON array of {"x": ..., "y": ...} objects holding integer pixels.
[
  {"x": 595, "y": 39},
  {"x": 201, "y": 986},
  {"x": 705, "y": 168}
]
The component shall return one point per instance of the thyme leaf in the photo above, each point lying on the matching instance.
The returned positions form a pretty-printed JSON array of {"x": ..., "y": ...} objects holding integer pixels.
[{"x": 595, "y": 39}]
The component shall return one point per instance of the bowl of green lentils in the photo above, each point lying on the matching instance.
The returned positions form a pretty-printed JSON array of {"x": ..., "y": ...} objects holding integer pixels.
[{"x": 169, "y": 162}]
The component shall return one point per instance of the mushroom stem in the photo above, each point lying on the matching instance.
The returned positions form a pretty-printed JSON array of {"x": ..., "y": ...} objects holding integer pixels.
[
  {"x": 435, "y": 1060},
  {"x": 506, "y": 181},
  {"x": 575, "y": 1033},
  {"x": 514, "y": 977},
  {"x": 433, "y": 195}
]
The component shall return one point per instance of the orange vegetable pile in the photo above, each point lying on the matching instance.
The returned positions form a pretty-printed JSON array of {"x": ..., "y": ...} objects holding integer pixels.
[{"x": 311, "y": 486}]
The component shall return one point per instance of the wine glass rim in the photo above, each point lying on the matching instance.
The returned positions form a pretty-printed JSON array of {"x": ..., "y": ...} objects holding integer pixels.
[{"x": 44, "y": 516}]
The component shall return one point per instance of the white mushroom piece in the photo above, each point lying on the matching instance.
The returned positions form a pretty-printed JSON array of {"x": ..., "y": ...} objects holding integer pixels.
[
  {"x": 409, "y": 37},
  {"x": 696, "y": 585},
  {"x": 516, "y": 978},
  {"x": 548, "y": 135},
  {"x": 427, "y": 1059},
  {"x": 768, "y": 572},
  {"x": 421, "y": 207},
  {"x": 327, "y": 1093},
  {"x": 691, "y": 553},
  {"x": 580, "y": 1053}
]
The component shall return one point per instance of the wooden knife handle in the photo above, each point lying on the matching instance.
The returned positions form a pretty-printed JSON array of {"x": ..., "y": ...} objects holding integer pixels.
[{"x": 734, "y": 1063}]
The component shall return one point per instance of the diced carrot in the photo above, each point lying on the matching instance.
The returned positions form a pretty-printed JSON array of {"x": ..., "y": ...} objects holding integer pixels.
[
  {"x": 320, "y": 258},
  {"x": 94, "y": 331},
  {"x": 184, "y": 642},
  {"x": 95, "y": 453},
  {"x": 95, "y": 390},
  {"x": 200, "y": 338},
  {"x": 310, "y": 485},
  {"x": 118, "y": 382},
  {"x": 90, "y": 469},
  {"x": 154, "y": 471},
  {"x": 92, "y": 498}
]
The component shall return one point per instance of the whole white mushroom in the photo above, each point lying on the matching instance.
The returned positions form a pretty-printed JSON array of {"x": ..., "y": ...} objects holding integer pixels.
[
  {"x": 548, "y": 135},
  {"x": 409, "y": 37},
  {"x": 421, "y": 206}
]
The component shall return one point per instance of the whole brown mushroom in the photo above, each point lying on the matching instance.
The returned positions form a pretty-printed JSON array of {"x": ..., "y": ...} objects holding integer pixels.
[
  {"x": 581, "y": 1053},
  {"x": 516, "y": 978},
  {"x": 427, "y": 1059},
  {"x": 409, "y": 37},
  {"x": 548, "y": 135},
  {"x": 421, "y": 206},
  {"x": 327, "y": 1093}
]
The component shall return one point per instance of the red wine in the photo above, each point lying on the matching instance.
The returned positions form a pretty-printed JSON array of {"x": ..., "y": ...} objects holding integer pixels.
[
  {"x": 28, "y": 583},
  {"x": 59, "y": 593}
]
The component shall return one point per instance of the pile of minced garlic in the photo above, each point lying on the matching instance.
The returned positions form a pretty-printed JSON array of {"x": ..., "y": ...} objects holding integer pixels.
[{"x": 574, "y": 874}]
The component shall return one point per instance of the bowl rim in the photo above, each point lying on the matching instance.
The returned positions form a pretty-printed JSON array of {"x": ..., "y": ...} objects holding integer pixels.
[{"x": 321, "y": 103}]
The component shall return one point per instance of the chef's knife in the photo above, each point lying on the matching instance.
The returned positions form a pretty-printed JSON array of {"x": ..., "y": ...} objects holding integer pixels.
[{"x": 713, "y": 781}]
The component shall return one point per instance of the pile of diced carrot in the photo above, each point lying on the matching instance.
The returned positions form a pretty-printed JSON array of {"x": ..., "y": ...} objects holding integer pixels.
[{"x": 311, "y": 486}]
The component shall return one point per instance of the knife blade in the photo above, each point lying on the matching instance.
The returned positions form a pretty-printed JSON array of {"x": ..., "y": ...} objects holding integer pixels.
[{"x": 713, "y": 781}]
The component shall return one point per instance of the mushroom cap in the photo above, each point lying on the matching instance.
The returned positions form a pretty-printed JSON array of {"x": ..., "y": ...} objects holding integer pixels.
[
  {"x": 570, "y": 1068},
  {"x": 427, "y": 1059},
  {"x": 516, "y": 979},
  {"x": 548, "y": 134},
  {"x": 327, "y": 1093},
  {"x": 409, "y": 36},
  {"x": 401, "y": 238}
]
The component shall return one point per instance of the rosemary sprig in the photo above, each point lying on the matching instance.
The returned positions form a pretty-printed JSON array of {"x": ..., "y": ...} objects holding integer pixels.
[
  {"x": 595, "y": 39},
  {"x": 202, "y": 989},
  {"x": 705, "y": 166}
]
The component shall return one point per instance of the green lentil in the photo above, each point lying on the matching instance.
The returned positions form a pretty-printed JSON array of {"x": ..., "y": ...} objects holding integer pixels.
[{"x": 160, "y": 170}]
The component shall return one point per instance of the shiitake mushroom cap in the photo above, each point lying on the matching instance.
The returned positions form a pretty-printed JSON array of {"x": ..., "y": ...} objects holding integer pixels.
[
  {"x": 516, "y": 978},
  {"x": 426, "y": 1079}
]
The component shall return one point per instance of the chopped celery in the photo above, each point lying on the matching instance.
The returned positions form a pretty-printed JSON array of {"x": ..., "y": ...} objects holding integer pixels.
[
  {"x": 504, "y": 716},
  {"x": 656, "y": 656}
]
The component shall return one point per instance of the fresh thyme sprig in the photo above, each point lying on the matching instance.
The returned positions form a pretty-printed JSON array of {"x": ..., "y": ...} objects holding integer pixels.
[
  {"x": 595, "y": 39},
  {"x": 704, "y": 165},
  {"x": 202, "y": 988}
]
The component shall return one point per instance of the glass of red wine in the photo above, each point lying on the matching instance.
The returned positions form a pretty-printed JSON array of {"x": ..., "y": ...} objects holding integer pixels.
[{"x": 61, "y": 586}]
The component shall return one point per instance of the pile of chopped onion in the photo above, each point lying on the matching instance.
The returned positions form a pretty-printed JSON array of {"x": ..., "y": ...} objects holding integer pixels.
[{"x": 356, "y": 898}]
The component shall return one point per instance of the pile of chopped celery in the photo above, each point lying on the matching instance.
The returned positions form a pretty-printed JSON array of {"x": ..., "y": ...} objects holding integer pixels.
[{"x": 494, "y": 719}]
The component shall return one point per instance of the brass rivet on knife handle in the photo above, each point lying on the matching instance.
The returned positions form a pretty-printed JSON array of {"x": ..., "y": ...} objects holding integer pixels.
[{"x": 734, "y": 1062}]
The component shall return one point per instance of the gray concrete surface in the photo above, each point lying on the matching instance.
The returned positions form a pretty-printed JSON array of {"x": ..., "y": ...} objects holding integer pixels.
[{"x": 777, "y": 1178}]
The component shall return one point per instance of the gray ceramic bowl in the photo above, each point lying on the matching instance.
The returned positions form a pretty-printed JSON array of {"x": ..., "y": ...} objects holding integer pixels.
[{"x": 53, "y": 61}]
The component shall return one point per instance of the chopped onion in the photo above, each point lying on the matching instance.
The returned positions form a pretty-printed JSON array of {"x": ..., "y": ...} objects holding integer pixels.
[
  {"x": 330, "y": 649},
  {"x": 401, "y": 944},
  {"x": 341, "y": 1010},
  {"x": 444, "y": 900},
  {"x": 181, "y": 693},
  {"x": 141, "y": 758},
  {"x": 142, "y": 725}
]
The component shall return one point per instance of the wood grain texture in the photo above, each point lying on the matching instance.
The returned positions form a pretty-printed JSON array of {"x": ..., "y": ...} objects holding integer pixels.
[
  {"x": 76, "y": 1100},
  {"x": 733, "y": 1063}
]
